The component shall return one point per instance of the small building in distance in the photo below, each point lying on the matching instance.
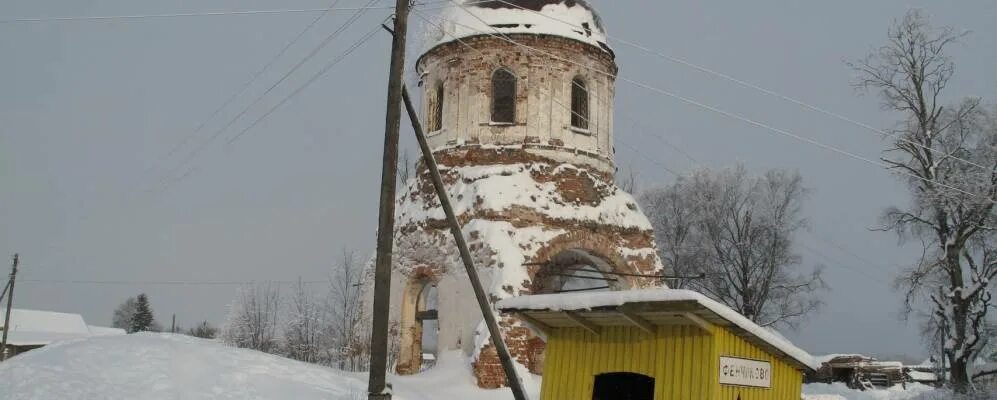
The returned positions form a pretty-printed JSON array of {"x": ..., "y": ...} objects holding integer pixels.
[
  {"x": 31, "y": 329},
  {"x": 659, "y": 344},
  {"x": 858, "y": 371}
]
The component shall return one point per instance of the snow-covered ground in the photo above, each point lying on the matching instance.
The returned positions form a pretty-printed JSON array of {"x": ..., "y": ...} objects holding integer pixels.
[
  {"x": 164, "y": 366},
  {"x": 838, "y": 391}
]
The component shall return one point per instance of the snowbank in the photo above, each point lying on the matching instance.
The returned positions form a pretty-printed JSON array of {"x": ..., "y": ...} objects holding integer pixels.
[
  {"x": 839, "y": 391},
  {"x": 164, "y": 366}
]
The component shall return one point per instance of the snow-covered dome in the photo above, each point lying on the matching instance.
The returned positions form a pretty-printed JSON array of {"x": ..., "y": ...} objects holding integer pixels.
[{"x": 573, "y": 19}]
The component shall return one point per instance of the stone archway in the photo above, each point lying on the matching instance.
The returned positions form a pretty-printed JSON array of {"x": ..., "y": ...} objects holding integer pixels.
[
  {"x": 418, "y": 314},
  {"x": 575, "y": 270}
]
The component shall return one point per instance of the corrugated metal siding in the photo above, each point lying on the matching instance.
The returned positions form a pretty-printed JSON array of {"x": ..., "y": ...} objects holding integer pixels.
[
  {"x": 684, "y": 361},
  {"x": 786, "y": 380},
  {"x": 575, "y": 356}
]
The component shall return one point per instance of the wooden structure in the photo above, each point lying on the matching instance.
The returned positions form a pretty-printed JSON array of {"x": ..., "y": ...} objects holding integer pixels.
[
  {"x": 858, "y": 371},
  {"x": 660, "y": 344}
]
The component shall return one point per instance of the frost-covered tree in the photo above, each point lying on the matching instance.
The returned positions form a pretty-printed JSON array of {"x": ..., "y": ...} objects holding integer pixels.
[
  {"x": 203, "y": 330},
  {"x": 349, "y": 319},
  {"x": 735, "y": 231},
  {"x": 253, "y": 319},
  {"x": 946, "y": 155},
  {"x": 142, "y": 320},
  {"x": 123, "y": 315},
  {"x": 305, "y": 326}
]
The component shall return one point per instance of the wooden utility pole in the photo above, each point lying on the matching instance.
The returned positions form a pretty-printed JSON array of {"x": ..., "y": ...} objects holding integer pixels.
[
  {"x": 376, "y": 389},
  {"x": 10, "y": 303},
  {"x": 505, "y": 357}
]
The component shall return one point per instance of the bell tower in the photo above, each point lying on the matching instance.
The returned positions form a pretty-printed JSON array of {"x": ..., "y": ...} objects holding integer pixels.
[{"x": 518, "y": 109}]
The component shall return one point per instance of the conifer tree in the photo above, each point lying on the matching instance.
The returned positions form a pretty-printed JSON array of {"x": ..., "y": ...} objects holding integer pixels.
[{"x": 143, "y": 319}]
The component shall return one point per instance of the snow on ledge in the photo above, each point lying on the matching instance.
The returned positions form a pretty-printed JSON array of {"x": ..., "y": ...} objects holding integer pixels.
[
  {"x": 569, "y": 19},
  {"x": 590, "y": 300}
]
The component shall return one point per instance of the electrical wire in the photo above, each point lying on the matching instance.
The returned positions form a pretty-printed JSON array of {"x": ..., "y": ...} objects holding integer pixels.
[
  {"x": 760, "y": 89},
  {"x": 197, "y": 14},
  {"x": 163, "y": 283},
  {"x": 325, "y": 42},
  {"x": 296, "y": 91},
  {"x": 731, "y": 115}
]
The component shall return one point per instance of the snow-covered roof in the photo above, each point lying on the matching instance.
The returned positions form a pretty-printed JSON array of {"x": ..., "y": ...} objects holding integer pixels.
[
  {"x": 921, "y": 376},
  {"x": 660, "y": 296},
  {"x": 573, "y": 19},
  {"x": 33, "y": 327},
  {"x": 105, "y": 331},
  {"x": 828, "y": 357}
]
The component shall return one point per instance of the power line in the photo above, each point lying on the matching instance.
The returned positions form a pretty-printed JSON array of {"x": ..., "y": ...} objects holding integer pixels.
[
  {"x": 322, "y": 72},
  {"x": 296, "y": 91},
  {"x": 769, "y": 92},
  {"x": 840, "y": 247},
  {"x": 325, "y": 42},
  {"x": 250, "y": 82},
  {"x": 720, "y": 111},
  {"x": 196, "y": 14},
  {"x": 165, "y": 283}
]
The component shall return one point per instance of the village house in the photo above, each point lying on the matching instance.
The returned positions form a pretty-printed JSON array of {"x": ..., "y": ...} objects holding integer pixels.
[{"x": 31, "y": 329}]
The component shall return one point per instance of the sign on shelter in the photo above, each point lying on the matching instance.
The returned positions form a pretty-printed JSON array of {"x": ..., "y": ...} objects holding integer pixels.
[{"x": 744, "y": 372}]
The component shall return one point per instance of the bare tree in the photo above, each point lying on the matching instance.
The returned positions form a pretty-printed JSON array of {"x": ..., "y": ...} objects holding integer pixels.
[
  {"x": 253, "y": 319},
  {"x": 946, "y": 154},
  {"x": 203, "y": 330},
  {"x": 628, "y": 181},
  {"x": 349, "y": 319},
  {"x": 405, "y": 169},
  {"x": 673, "y": 215},
  {"x": 124, "y": 313},
  {"x": 304, "y": 326},
  {"x": 737, "y": 230}
]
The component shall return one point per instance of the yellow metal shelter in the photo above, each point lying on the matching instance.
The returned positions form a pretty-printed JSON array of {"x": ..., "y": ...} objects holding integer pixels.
[{"x": 659, "y": 344}]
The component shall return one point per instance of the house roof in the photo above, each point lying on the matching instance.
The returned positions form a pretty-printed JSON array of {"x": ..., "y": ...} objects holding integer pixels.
[
  {"x": 35, "y": 328},
  {"x": 657, "y": 306}
]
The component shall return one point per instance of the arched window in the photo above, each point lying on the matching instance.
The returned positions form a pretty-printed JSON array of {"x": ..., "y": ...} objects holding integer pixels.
[
  {"x": 435, "y": 118},
  {"x": 579, "y": 103},
  {"x": 503, "y": 96},
  {"x": 576, "y": 270}
]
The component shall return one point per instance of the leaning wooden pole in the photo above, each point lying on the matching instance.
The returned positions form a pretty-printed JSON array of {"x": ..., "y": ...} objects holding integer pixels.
[
  {"x": 376, "y": 389},
  {"x": 10, "y": 304},
  {"x": 465, "y": 255}
]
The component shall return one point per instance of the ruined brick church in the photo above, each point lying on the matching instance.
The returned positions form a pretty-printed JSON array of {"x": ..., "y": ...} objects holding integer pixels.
[{"x": 518, "y": 108}]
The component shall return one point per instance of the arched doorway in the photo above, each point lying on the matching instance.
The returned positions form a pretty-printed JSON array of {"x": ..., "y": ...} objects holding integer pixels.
[
  {"x": 428, "y": 317},
  {"x": 419, "y": 333},
  {"x": 623, "y": 386}
]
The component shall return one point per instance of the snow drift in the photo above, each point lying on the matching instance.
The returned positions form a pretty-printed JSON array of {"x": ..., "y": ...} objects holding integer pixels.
[{"x": 152, "y": 366}]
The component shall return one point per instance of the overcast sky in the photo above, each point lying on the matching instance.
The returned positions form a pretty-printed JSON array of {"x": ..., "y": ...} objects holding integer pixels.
[{"x": 90, "y": 111}]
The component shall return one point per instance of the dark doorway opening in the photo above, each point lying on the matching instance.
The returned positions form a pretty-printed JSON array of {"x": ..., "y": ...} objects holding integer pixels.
[{"x": 623, "y": 386}]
